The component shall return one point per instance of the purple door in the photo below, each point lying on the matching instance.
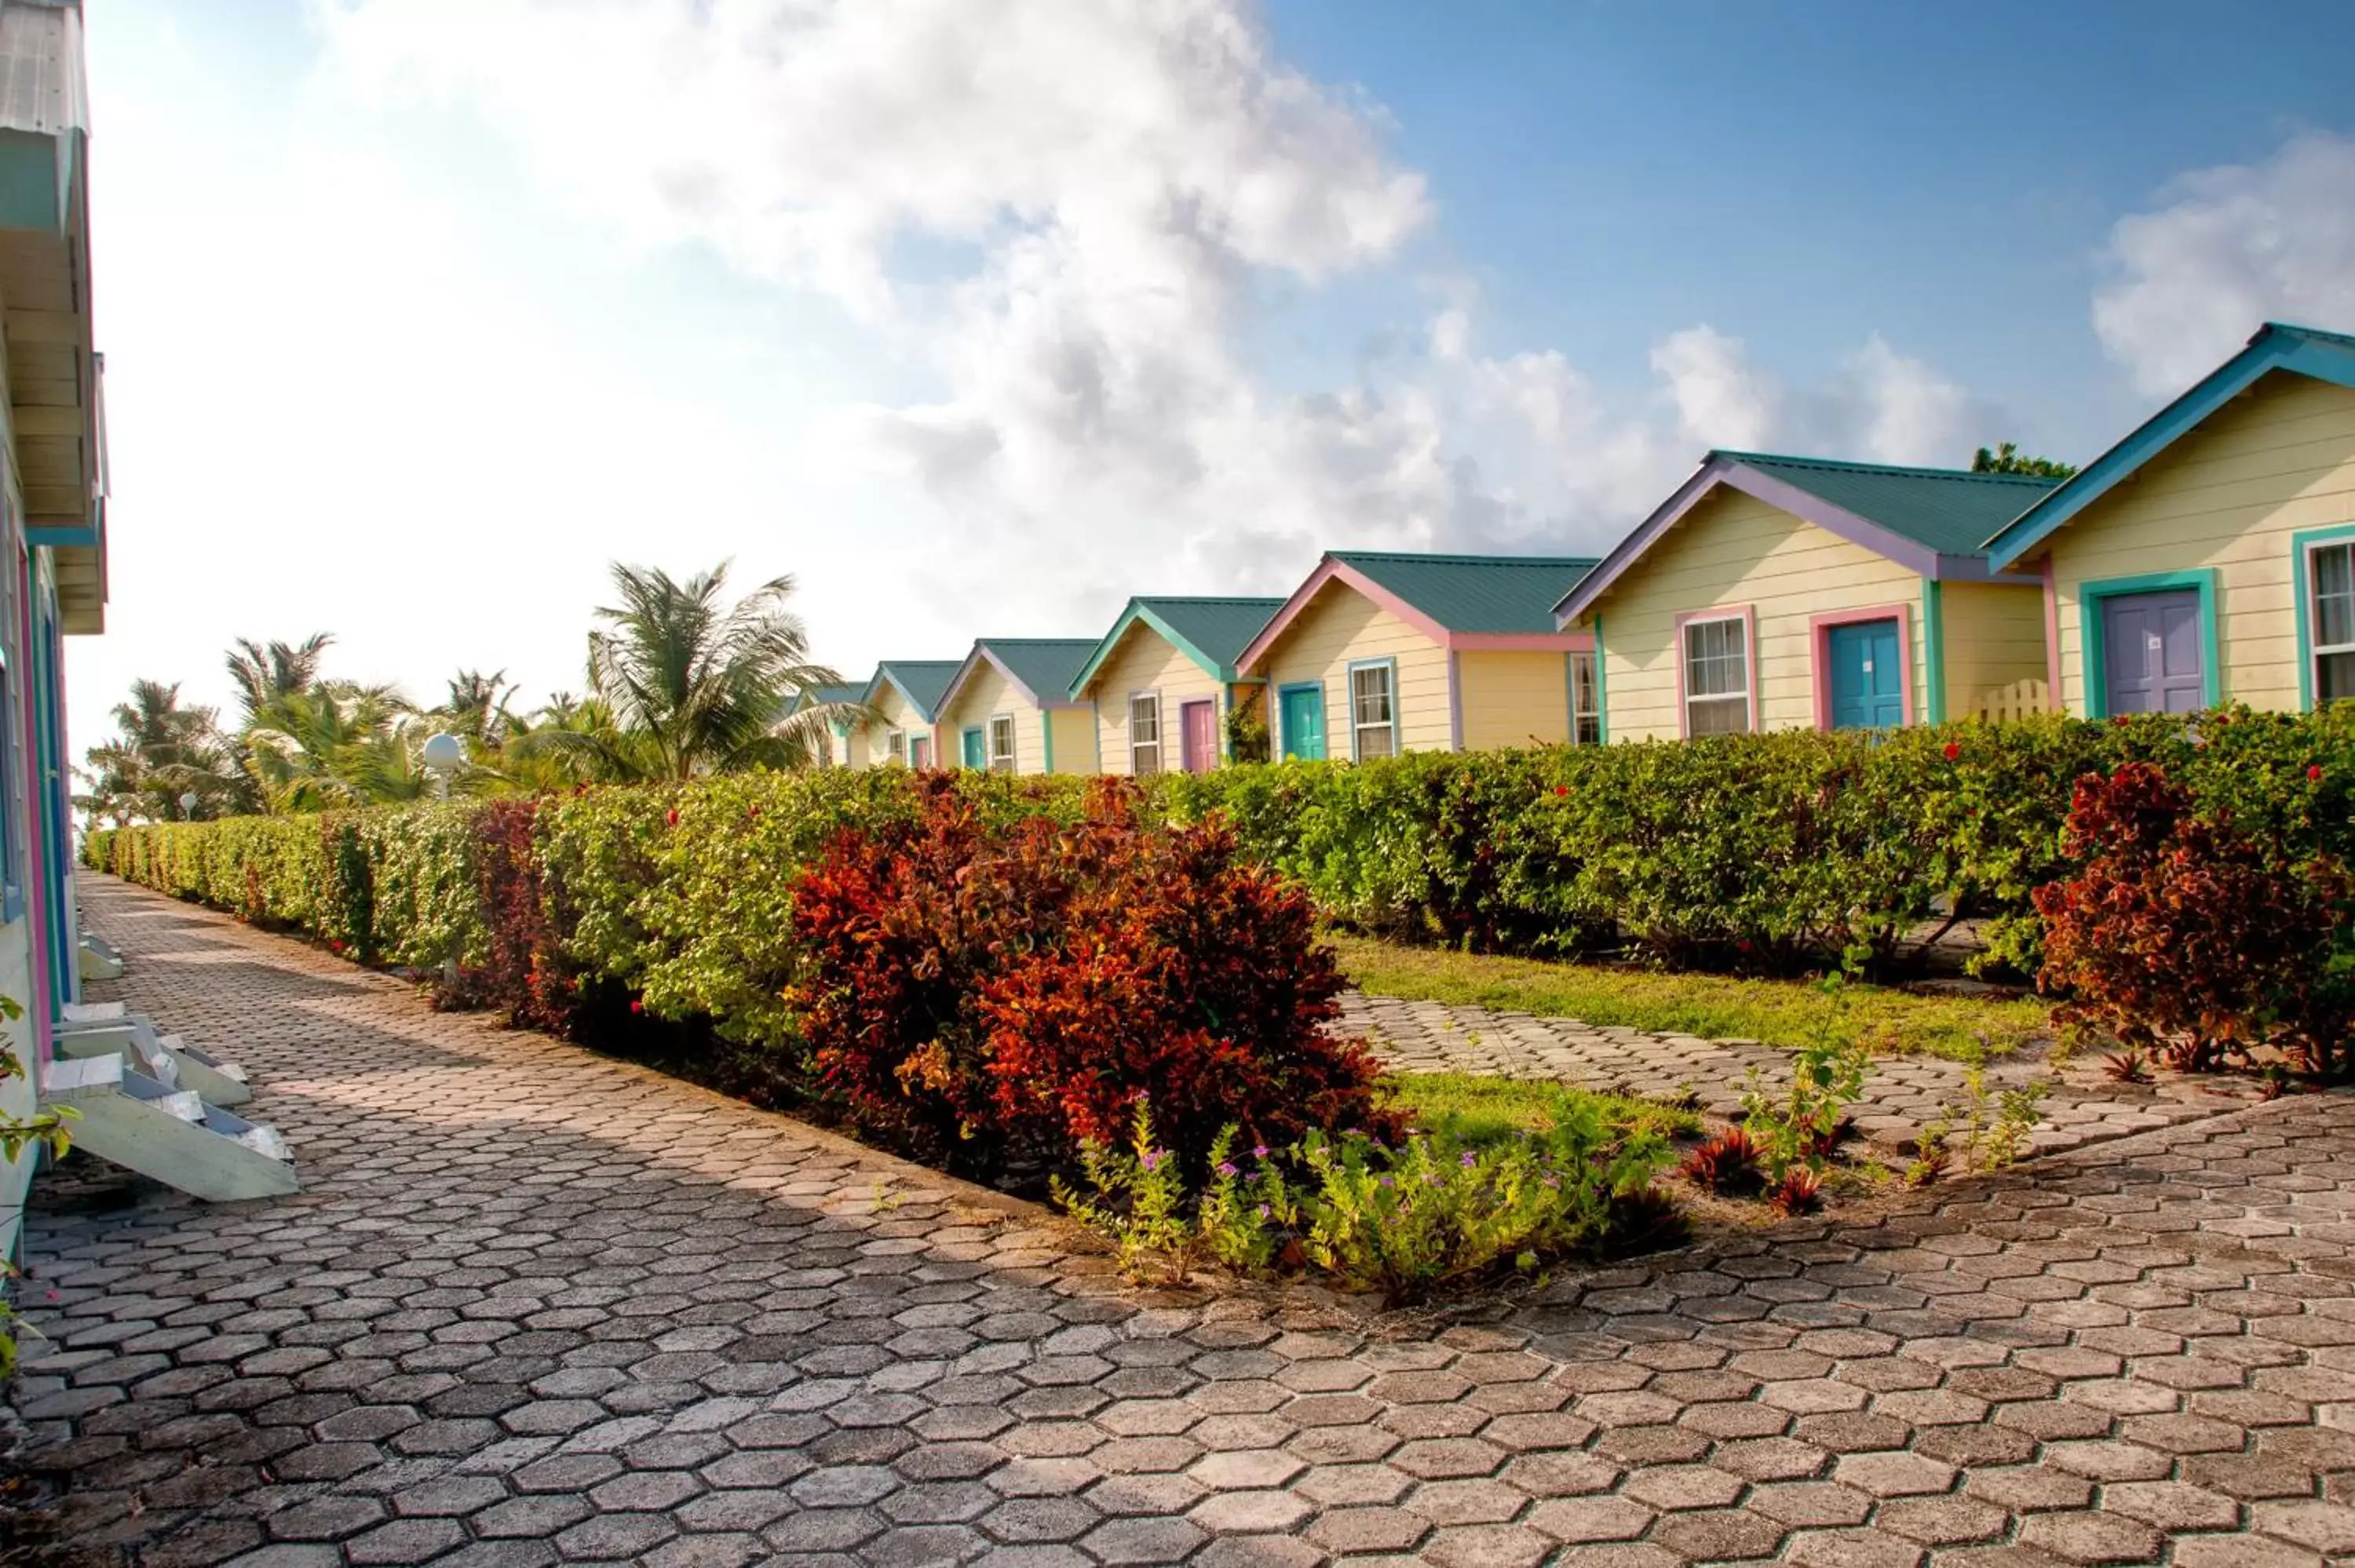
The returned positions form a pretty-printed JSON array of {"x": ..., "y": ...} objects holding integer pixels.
[
  {"x": 1198, "y": 722},
  {"x": 2151, "y": 654}
]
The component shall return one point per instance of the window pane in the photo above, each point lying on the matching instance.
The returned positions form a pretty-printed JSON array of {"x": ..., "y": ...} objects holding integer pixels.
[
  {"x": 1590, "y": 730},
  {"x": 1585, "y": 702},
  {"x": 1376, "y": 741},
  {"x": 1718, "y": 716},
  {"x": 1369, "y": 694},
  {"x": 1717, "y": 664},
  {"x": 1144, "y": 720},
  {"x": 2334, "y": 596},
  {"x": 2334, "y": 677},
  {"x": 1001, "y": 744}
]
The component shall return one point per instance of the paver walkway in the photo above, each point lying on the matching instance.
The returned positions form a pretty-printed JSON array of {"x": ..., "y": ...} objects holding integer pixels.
[
  {"x": 1902, "y": 1096},
  {"x": 534, "y": 1306}
]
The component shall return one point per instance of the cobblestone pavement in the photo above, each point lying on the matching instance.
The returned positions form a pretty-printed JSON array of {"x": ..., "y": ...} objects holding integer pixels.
[
  {"x": 537, "y": 1307},
  {"x": 1902, "y": 1096}
]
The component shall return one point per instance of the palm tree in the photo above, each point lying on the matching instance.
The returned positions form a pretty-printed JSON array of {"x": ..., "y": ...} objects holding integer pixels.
[
  {"x": 334, "y": 743},
  {"x": 263, "y": 674},
  {"x": 160, "y": 752},
  {"x": 681, "y": 683}
]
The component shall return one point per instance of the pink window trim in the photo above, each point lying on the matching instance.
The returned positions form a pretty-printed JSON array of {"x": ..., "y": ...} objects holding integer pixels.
[
  {"x": 1819, "y": 644},
  {"x": 1744, "y": 613}
]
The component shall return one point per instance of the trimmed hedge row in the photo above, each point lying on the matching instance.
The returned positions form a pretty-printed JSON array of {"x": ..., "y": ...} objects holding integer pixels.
[{"x": 1744, "y": 852}]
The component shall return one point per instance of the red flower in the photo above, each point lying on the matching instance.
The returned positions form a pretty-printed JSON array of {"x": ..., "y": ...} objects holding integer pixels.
[
  {"x": 638, "y": 1005},
  {"x": 671, "y": 816},
  {"x": 1561, "y": 789},
  {"x": 335, "y": 947},
  {"x": 1954, "y": 751},
  {"x": 2314, "y": 771}
]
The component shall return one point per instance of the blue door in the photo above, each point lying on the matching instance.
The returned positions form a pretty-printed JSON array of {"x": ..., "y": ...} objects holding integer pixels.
[
  {"x": 976, "y": 756},
  {"x": 1303, "y": 722},
  {"x": 2152, "y": 660},
  {"x": 1868, "y": 690}
]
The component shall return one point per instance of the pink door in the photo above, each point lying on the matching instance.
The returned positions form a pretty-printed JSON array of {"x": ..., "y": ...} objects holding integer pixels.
[{"x": 1199, "y": 722}]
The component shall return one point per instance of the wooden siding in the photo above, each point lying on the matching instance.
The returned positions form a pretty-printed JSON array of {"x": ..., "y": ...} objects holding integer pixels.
[
  {"x": 1730, "y": 551},
  {"x": 1075, "y": 739},
  {"x": 1513, "y": 698},
  {"x": 985, "y": 694},
  {"x": 867, "y": 744},
  {"x": 2277, "y": 461},
  {"x": 1144, "y": 662},
  {"x": 1994, "y": 638},
  {"x": 1339, "y": 625}
]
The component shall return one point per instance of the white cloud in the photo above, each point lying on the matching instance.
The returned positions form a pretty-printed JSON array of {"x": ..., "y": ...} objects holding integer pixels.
[
  {"x": 2232, "y": 247},
  {"x": 1721, "y": 400}
]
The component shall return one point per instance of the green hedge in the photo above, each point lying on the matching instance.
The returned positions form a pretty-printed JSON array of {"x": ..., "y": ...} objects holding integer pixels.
[{"x": 1740, "y": 851}]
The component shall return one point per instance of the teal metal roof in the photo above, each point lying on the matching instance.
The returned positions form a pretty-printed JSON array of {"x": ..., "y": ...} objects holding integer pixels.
[
  {"x": 2277, "y": 346},
  {"x": 840, "y": 692},
  {"x": 1213, "y": 632},
  {"x": 1951, "y": 511},
  {"x": 1476, "y": 593},
  {"x": 1045, "y": 664},
  {"x": 923, "y": 682}
]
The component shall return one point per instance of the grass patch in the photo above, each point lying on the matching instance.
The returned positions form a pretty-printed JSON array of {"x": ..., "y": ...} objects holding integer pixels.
[
  {"x": 1481, "y": 1110},
  {"x": 1784, "y": 1014}
]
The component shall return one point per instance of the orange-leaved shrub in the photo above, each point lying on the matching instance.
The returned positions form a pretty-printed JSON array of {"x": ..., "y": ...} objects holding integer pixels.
[
  {"x": 992, "y": 999},
  {"x": 2182, "y": 933}
]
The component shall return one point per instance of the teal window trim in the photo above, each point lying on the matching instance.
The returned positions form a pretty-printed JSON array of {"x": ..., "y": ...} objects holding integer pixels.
[
  {"x": 1933, "y": 651},
  {"x": 1324, "y": 703},
  {"x": 1349, "y": 703},
  {"x": 2301, "y": 547},
  {"x": 2092, "y": 637},
  {"x": 1602, "y": 686}
]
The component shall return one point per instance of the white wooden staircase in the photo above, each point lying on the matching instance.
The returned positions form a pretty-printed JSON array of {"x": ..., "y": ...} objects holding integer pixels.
[
  {"x": 100, "y": 958},
  {"x": 154, "y": 1104}
]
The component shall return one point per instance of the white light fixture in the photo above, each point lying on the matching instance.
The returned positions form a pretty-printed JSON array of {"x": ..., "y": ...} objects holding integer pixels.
[
  {"x": 445, "y": 753},
  {"x": 188, "y": 804}
]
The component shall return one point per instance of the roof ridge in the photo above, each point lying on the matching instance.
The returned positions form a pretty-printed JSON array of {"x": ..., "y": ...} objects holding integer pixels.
[
  {"x": 1917, "y": 471},
  {"x": 1038, "y": 641},
  {"x": 1452, "y": 557},
  {"x": 1209, "y": 599}
]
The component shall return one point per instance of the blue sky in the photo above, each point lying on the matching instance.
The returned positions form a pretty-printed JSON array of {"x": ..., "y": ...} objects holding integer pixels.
[{"x": 982, "y": 317}]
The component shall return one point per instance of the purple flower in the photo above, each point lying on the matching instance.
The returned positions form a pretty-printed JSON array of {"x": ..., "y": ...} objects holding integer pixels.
[
  {"x": 1468, "y": 1161},
  {"x": 1226, "y": 1168},
  {"x": 1259, "y": 1151},
  {"x": 1153, "y": 1159},
  {"x": 1262, "y": 1210},
  {"x": 1386, "y": 1181}
]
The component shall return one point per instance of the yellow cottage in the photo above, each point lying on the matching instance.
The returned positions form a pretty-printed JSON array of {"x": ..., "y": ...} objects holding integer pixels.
[
  {"x": 1163, "y": 681},
  {"x": 899, "y": 706},
  {"x": 1780, "y": 592},
  {"x": 2210, "y": 556},
  {"x": 1377, "y": 653},
  {"x": 1009, "y": 709}
]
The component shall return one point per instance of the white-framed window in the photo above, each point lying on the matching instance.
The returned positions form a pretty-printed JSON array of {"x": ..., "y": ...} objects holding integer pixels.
[
  {"x": 895, "y": 746},
  {"x": 2330, "y": 618},
  {"x": 1144, "y": 733},
  {"x": 1373, "y": 710},
  {"x": 1717, "y": 675},
  {"x": 1585, "y": 702},
  {"x": 1001, "y": 744}
]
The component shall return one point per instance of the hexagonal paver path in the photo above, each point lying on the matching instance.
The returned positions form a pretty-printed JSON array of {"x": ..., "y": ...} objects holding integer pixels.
[
  {"x": 1904, "y": 1095},
  {"x": 535, "y": 1307}
]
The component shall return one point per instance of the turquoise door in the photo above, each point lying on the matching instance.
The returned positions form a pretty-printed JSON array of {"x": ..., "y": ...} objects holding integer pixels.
[
  {"x": 976, "y": 757},
  {"x": 1867, "y": 692},
  {"x": 1303, "y": 722}
]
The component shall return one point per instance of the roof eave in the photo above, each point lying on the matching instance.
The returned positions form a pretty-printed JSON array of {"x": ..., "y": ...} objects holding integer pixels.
[
  {"x": 1139, "y": 611},
  {"x": 1720, "y": 469},
  {"x": 2273, "y": 347}
]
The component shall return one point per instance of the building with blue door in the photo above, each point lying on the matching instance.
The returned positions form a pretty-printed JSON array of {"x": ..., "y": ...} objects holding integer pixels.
[
  {"x": 52, "y": 523},
  {"x": 1782, "y": 592},
  {"x": 2209, "y": 555}
]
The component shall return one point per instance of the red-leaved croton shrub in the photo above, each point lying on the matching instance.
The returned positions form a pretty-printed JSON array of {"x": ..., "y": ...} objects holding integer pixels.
[
  {"x": 521, "y": 971},
  {"x": 2183, "y": 933},
  {"x": 991, "y": 996}
]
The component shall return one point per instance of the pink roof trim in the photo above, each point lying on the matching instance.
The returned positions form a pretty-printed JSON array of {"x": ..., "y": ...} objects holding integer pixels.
[{"x": 1331, "y": 570}]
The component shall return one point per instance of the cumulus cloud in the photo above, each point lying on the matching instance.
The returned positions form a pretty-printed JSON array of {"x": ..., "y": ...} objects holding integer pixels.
[
  {"x": 2229, "y": 247},
  {"x": 1096, "y": 194}
]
